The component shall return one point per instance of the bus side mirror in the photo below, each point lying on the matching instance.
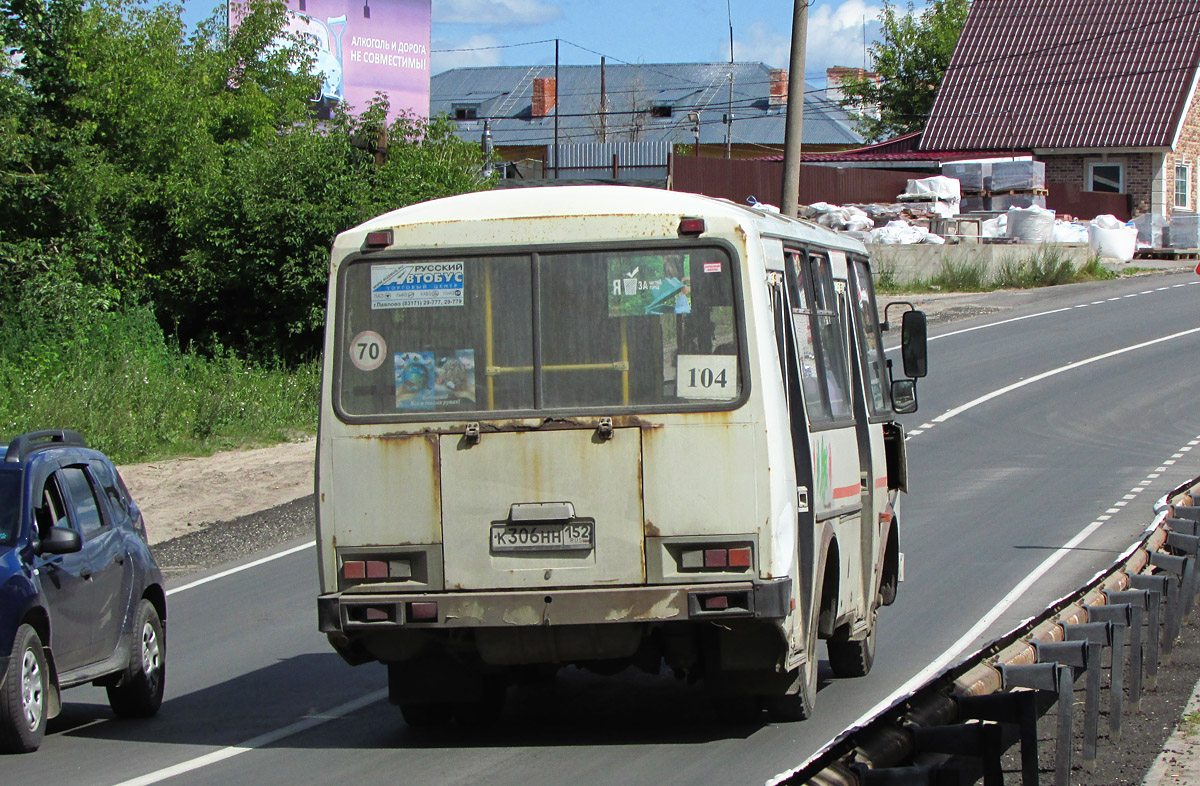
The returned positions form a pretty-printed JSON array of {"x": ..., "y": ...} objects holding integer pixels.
[
  {"x": 904, "y": 396},
  {"x": 913, "y": 345}
]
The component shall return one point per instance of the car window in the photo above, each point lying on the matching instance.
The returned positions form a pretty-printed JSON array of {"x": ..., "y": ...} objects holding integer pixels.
[
  {"x": 50, "y": 510},
  {"x": 83, "y": 500},
  {"x": 118, "y": 503},
  {"x": 10, "y": 504}
]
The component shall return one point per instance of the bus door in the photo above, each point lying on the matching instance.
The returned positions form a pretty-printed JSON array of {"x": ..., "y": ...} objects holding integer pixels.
[{"x": 821, "y": 348}]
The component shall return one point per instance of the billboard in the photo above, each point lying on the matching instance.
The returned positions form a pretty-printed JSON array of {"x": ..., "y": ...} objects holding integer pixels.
[{"x": 365, "y": 46}]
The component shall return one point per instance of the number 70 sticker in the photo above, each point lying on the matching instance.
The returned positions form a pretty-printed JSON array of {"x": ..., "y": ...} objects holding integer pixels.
[
  {"x": 707, "y": 377},
  {"x": 368, "y": 350}
]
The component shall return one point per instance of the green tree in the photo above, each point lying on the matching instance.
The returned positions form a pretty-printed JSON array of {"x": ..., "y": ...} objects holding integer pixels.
[
  {"x": 911, "y": 62},
  {"x": 187, "y": 172}
]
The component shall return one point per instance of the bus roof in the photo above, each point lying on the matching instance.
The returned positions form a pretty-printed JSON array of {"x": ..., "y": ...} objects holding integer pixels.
[{"x": 563, "y": 201}]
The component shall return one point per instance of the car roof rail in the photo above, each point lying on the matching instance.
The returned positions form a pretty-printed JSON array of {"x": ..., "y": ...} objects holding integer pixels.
[{"x": 25, "y": 444}]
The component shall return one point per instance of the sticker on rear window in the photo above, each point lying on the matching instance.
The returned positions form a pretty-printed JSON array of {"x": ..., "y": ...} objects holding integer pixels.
[
  {"x": 435, "y": 380},
  {"x": 712, "y": 377},
  {"x": 417, "y": 285},
  {"x": 659, "y": 284},
  {"x": 368, "y": 350}
]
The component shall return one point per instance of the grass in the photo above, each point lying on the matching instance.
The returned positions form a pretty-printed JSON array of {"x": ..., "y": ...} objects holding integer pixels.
[
  {"x": 1046, "y": 267},
  {"x": 135, "y": 398},
  {"x": 1190, "y": 724}
]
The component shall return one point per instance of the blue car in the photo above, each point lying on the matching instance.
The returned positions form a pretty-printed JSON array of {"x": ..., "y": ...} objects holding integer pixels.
[{"x": 81, "y": 597}]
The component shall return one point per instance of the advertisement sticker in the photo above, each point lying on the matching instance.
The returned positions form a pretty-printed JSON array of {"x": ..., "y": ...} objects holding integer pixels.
[
  {"x": 435, "y": 380},
  {"x": 649, "y": 285},
  {"x": 417, "y": 285}
]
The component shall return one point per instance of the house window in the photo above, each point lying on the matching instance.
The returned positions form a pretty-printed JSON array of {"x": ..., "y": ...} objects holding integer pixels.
[
  {"x": 660, "y": 111},
  {"x": 1183, "y": 182},
  {"x": 1107, "y": 177},
  {"x": 466, "y": 112}
]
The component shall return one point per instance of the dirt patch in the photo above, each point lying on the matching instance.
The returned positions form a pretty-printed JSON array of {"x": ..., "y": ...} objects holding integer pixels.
[{"x": 185, "y": 495}]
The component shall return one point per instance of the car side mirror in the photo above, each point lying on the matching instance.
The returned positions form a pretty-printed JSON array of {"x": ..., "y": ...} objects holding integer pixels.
[
  {"x": 913, "y": 347},
  {"x": 60, "y": 540},
  {"x": 904, "y": 396}
]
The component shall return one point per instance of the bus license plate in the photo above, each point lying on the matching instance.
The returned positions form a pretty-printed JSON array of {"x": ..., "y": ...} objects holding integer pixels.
[{"x": 571, "y": 536}]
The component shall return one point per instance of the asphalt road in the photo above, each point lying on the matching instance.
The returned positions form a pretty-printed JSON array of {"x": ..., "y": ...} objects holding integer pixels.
[{"x": 1064, "y": 413}]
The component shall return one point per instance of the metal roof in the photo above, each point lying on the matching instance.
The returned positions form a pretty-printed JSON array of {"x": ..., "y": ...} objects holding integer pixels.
[
  {"x": 504, "y": 94},
  {"x": 1036, "y": 74}
]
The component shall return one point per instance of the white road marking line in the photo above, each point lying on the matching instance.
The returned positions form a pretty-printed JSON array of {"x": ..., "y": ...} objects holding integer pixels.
[
  {"x": 240, "y": 568},
  {"x": 976, "y": 630},
  {"x": 997, "y": 324},
  {"x": 260, "y": 741},
  {"x": 1056, "y": 371}
]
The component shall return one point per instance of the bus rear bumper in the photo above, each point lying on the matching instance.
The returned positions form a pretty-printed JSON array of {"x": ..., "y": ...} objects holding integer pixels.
[{"x": 353, "y": 612}]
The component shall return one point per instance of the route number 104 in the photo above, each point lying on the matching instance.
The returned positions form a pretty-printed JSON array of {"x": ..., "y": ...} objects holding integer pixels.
[{"x": 706, "y": 377}]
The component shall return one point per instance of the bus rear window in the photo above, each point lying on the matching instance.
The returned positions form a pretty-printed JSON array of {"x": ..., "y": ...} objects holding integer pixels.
[{"x": 607, "y": 328}]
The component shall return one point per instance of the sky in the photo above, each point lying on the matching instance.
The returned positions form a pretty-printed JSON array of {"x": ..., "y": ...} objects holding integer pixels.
[{"x": 522, "y": 32}]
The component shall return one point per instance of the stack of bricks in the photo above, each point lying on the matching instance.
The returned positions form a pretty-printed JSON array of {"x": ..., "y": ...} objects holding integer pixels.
[{"x": 997, "y": 186}]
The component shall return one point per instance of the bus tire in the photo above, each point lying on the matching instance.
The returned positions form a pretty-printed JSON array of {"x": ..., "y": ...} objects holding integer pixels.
[
  {"x": 737, "y": 708},
  {"x": 853, "y": 658},
  {"x": 800, "y": 700},
  {"x": 428, "y": 716}
]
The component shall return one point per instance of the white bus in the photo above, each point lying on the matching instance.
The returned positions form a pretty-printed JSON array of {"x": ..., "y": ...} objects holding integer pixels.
[{"x": 603, "y": 426}]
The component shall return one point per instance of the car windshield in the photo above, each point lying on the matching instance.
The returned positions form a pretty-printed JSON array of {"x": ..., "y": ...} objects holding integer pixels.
[
  {"x": 10, "y": 503},
  {"x": 612, "y": 328}
]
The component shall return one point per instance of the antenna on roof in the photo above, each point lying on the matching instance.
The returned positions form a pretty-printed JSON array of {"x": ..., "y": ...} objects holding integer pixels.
[{"x": 729, "y": 114}]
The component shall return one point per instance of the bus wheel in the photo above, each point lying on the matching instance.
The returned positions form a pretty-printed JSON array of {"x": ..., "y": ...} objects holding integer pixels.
[
  {"x": 738, "y": 708},
  {"x": 851, "y": 658},
  {"x": 427, "y": 716},
  {"x": 798, "y": 703},
  {"x": 486, "y": 709}
]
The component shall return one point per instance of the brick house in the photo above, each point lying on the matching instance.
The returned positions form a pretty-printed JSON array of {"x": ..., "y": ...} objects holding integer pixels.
[{"x": 1102, "y": 91}]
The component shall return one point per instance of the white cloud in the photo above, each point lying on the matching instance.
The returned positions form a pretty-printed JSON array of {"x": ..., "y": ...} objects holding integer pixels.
[
  {"x": 494, "y": 12},
  {"x": 835, "y": 34},
  {"x": 469, "y": 53},
  {"x": 835, "y": 37}
]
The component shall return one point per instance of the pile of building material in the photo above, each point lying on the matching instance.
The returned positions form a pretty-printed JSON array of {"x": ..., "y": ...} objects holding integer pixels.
[
  {"x": 1111, "y": 238},
  {"x": 995, "y": 186},
  {"x": 881, "y": 223},
  {"x": 1184, "y": 230},
  {"x": 941, "y": 194}
]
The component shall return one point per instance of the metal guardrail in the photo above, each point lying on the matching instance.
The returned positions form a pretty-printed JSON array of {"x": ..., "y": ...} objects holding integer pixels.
[{"x": 955, "y": 728}]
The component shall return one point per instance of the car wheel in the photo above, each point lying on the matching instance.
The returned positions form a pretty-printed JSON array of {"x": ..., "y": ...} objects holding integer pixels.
[
  {"x": 139, "y": 692},
  {"x": 23, "y": 695}
]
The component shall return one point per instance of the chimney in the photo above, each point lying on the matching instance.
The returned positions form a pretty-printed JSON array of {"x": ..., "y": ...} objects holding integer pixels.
[
  {"x": 545, "y": 95},
  {"x": 837, "y": 76},
  {"x": 779, "y": 88}
]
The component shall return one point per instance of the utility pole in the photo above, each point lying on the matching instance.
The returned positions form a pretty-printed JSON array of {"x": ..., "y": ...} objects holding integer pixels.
[
  {"x": 729, "y": 114},
  {"x": 603, "y": 104},
  {"x": 794, "y": 128},
  {"x": 556, "y": 109},
  {"x": 486, "y": 142}
]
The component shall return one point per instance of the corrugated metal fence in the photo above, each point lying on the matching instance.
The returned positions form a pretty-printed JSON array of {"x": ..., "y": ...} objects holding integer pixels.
[
  {"x": 763, "y": 180},
  {"x": 739, "y": 180}
]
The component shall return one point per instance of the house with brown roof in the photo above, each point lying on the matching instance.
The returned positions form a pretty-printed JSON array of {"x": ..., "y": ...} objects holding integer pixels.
[{"x": 1102, "y": 91}]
